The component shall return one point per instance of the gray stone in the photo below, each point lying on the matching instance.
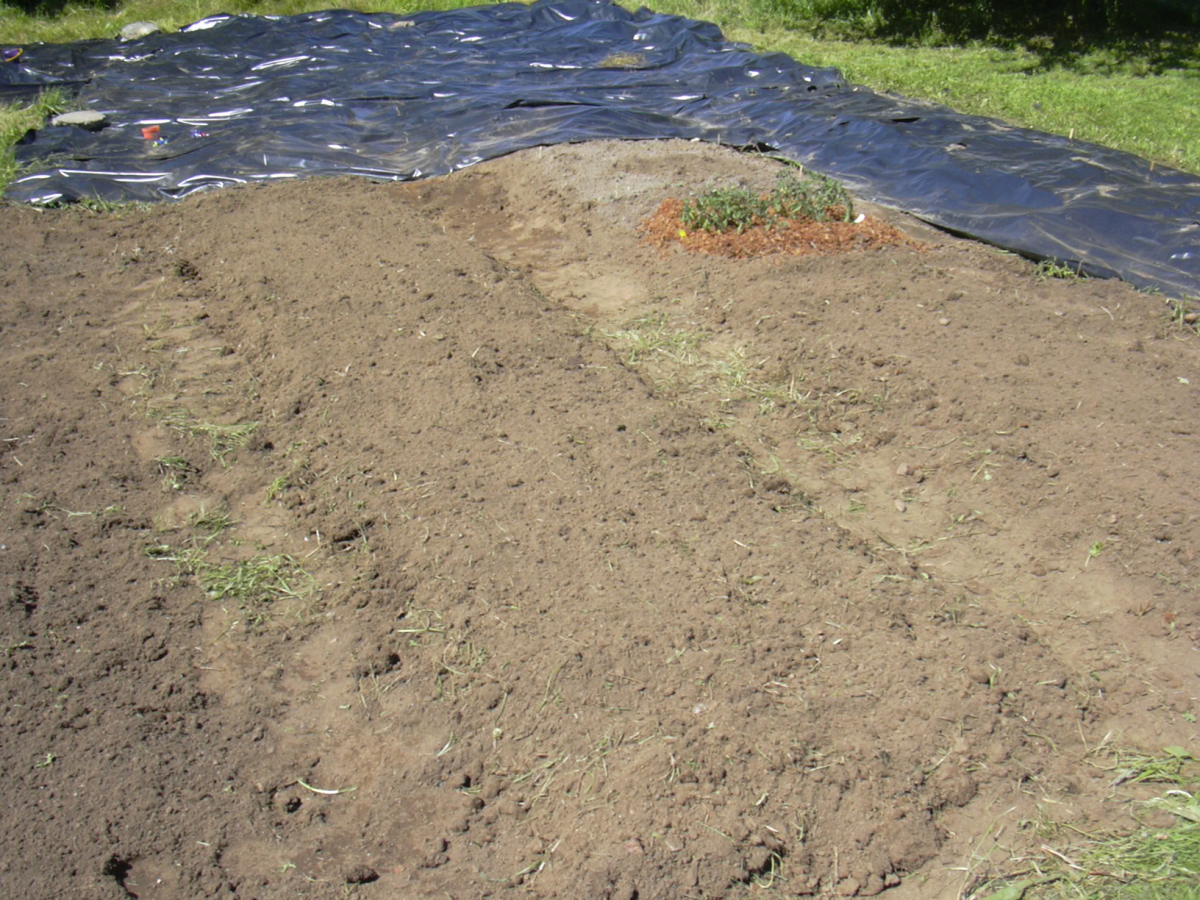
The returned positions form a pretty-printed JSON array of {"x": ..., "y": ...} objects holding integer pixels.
[
  {"x": 84, "y": 118},
  {"x": 135, "y": 30}
]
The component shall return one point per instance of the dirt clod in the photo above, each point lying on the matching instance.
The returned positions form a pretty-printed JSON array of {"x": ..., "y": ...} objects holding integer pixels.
[{"x": 360, "y": 874}]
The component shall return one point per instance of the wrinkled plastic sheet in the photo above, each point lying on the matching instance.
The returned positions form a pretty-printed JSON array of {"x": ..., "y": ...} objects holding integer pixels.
[{"x": 251, "y": 99}]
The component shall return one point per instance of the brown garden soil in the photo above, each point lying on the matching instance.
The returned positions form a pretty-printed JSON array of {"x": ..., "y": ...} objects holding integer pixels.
[{"x": 596, "y": 569}]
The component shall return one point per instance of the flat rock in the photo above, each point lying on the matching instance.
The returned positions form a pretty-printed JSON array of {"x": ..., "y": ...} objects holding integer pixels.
[
  {"x": 135, "y": 30},
  {"x": 84, "y": 118}
]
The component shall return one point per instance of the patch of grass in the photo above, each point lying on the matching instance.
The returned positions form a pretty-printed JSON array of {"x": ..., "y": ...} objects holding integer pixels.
[
  {"x": 677, "y": 354},
  {"x": 650, "y": 337},
  {"x": 737, "y": 377},
  {"x": 1163, "y": 860},
  {"x": 252, "y": 584},
  {"x": 1149, "y": 864},
  {"x": 221, "y": 439},
  {"x": 80, "y": 21},
  {"x": 99, "y": 206},
  {"x": 622, "y": 61},
  {"x": 16, "y": 119},
  {"x": 212, "y": 522},
  {"x": 1158, "y": 860},
  {"x": 1174, "y": 765},
  {"x": 176, "y": 472}
]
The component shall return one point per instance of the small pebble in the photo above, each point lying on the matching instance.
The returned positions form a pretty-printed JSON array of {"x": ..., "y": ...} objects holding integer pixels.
[
  {"x": 901, "y": 506},
  {"x": 943, "y": 321}
]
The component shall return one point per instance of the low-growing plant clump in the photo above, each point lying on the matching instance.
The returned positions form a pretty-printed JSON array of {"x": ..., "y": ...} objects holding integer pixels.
[
  {"x": 804, "y": 215},
  {"x": 815, "y": 198}
]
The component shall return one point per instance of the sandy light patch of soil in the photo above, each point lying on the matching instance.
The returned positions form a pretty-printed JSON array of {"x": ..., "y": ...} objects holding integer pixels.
[{"x": 446, "y": 539}]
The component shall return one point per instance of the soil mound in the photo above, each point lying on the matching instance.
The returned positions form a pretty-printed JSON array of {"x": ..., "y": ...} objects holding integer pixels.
[{"x": 446, "y": 539}]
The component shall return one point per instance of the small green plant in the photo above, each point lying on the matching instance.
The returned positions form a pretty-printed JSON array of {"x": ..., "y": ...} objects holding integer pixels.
[
  {"x": 277, "y": 487},
  {"x": 723, "y": 209},
  {"x": 813, "y": 198},
  {"x": 1049, "y": 268},
  {"x": 1184, "y": 314},
  {"x": 816, "y": 197}
]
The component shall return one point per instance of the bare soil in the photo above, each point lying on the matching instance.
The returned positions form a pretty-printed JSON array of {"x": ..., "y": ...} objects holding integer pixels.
[{"x": 635, "y": 572}]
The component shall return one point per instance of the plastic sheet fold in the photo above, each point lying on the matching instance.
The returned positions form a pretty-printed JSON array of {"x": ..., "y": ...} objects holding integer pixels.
[{"x": 240, "y": 99}]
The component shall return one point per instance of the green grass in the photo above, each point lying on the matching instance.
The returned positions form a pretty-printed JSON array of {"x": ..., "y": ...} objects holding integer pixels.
[
  {"x": 651, "y": 338},
  {"x": 176, "y": 472},
  {"x": 253, "y": 584},
  {"x": 81, "y": 21},
  {"x": 18, "y": 118},
  {"x": 1098, "y": 97},
  {"x": 1158, "y": 860},
  {"x": 682, "y": 368},
  {"x": 211, "y": 522},
  {"x": 221, "y": 439},
  {"x": 1139, "y": 96}
]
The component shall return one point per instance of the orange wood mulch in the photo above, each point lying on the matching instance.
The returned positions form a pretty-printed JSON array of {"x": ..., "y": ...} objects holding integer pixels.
[{"x": 796, "y": 238}]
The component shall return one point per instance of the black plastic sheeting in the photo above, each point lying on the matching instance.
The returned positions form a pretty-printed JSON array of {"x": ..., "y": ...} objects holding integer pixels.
[{"x": 252, "y": 99}]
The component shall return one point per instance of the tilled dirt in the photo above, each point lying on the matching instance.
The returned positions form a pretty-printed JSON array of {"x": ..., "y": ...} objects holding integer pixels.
[{"x": 584, "y": 567}]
